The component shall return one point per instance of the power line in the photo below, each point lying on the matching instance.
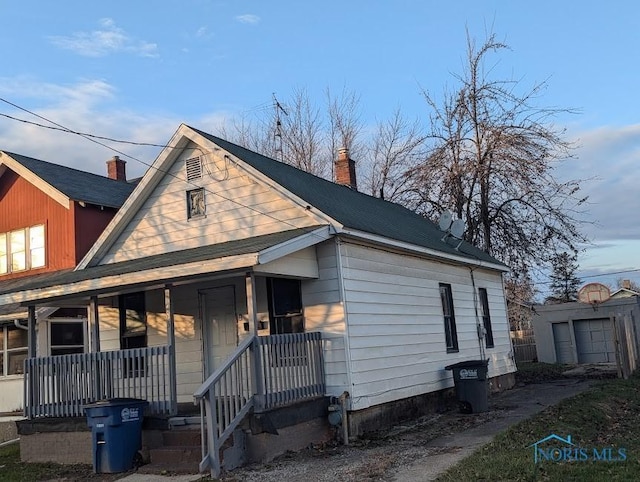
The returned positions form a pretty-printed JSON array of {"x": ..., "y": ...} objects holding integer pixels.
[{"x": 94, "y": 139}]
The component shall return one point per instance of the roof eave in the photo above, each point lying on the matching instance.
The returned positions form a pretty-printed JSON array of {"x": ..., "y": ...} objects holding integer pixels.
[{"x": 457, "y": 259}]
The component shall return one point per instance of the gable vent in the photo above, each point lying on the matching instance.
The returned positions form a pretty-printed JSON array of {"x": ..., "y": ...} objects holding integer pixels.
[{"x": 194, "y": 168}]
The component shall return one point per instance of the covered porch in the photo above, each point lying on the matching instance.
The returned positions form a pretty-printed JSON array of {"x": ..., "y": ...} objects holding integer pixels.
[{"x": 222, "y": 326}]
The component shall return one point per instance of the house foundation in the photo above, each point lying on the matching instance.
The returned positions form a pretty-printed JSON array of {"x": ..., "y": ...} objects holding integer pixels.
[{"x": 384, "y": 416}]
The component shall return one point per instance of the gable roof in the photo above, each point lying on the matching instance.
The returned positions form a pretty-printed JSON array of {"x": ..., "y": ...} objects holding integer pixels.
[
  {"x": 75, "y": 184},
  {"x": 353, "y": 209}
]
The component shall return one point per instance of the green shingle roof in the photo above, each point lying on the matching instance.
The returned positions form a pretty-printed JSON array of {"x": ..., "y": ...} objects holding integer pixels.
[
  {"x": 79, "y": 185},
  {"x": 354, "y": 209}
]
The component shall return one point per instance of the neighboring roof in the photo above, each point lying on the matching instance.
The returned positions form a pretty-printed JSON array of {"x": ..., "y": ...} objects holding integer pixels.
[
  {"x": 123, "y": 268},
  {"x": 351, "y": 208},
  {"x": 78, "y": 185}
]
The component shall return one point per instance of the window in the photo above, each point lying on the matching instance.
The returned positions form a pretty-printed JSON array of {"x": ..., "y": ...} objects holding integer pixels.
[
  {"x": 67, "y": 337},
  {"x": 14, "y": 344},
  {"x": 486, "y": 318},
  {"x": 451, "y": 336},
  {"x": 195, "y": 203},
  {"x": 22, "y": 249},
  {"x": 285, "y": 306},
  {"x": 133, "y": 321},
  {"x": 133, "y": 330}
]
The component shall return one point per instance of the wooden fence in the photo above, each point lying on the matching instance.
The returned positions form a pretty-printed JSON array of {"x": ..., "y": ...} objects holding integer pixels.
[{"x": 524, "y": 345}]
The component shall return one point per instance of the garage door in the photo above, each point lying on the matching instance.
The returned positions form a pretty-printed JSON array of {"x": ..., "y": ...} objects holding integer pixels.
[
  {"x": 594, "y": 341},
  {"x": 562, "y": 341}
]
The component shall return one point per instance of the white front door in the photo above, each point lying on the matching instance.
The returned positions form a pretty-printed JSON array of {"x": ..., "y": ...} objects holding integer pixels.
[{"x": 218, "y": 307}]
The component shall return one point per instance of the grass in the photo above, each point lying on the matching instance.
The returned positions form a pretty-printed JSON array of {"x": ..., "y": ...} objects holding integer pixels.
[
  {"x": 605, "y": 416},
  {"x": 535, "y": 372}
]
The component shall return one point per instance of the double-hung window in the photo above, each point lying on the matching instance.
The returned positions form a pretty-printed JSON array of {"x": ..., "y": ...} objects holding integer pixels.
[
  {"x": 486, "y": 318},
  {"x": 22, "y": 249},
  {"x": 450, "y": 333},
  {"x": 13, "y": 350}
]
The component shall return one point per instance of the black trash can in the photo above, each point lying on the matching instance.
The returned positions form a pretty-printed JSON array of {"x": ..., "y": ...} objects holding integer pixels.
[
  {"x": 472, "y": 386},
  {"x": 116, "y": 433}
]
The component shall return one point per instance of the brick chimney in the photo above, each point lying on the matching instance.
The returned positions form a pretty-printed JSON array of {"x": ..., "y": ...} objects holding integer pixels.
[
  {"x": 626, "y": 284},
  {"x": 116, "y": 169},
  {"x": 345, "y": 169}
]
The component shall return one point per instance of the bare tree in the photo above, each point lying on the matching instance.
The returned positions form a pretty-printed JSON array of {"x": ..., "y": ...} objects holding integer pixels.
[
  {"x": 520, "y": 293},
  {"x": 492, "y": 163},
  {"x": 396, "y": 149},
  {"x": 303, "y": 137},
  {"x": 345, "y": 124}
]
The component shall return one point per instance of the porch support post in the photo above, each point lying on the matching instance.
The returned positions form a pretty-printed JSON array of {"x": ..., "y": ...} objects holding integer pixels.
[
  {"x": 171, "y": 341},
  {"x": 93, "y": 325},
  {"x": 94, "y": 333},
  {"x": 252, "y": 313},
  {"x": 31, "y": 336}
]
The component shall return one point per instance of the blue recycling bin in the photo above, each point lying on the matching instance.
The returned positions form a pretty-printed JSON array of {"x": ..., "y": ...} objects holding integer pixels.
[{"x": 116, "y": 433}]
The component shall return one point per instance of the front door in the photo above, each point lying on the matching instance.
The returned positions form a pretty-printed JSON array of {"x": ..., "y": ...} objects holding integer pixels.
[{"x": 218, "y": 308}]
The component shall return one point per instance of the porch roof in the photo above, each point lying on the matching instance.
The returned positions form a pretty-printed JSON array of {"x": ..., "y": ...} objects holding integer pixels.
[{"x": 161, "y": 268}]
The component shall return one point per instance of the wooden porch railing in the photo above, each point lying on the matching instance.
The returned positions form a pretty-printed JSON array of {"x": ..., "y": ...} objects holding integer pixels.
[
  {"x": 263, "y": 373},
  {"x": 59, "y": 386}
]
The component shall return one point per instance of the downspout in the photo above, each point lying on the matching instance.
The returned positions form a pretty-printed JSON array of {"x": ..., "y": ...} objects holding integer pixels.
[
  {"x": 18, "y": 325},
  {"x": 347, "y": 338}
]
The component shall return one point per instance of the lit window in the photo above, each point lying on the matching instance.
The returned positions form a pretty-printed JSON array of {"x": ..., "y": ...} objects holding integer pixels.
[
  {"x": 36, "y": 246},
  {"x": 18, "y": 247},
  {"x": 22, "y": 249},
  {"x": 4, "y": 266}
]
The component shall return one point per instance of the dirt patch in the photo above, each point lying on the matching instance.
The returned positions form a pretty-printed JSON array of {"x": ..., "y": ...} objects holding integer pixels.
[{"x": 370, "y": 458}]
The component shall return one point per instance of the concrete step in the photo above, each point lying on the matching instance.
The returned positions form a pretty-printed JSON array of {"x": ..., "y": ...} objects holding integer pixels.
[
  {"x": 176, "y": 455},
  {"x": 180, "y": 438}
]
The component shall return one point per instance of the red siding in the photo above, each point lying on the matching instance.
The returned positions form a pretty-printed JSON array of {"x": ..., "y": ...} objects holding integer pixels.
[
  {"x": 22, "y": 205},
  {"x": 90, "y": 221}
]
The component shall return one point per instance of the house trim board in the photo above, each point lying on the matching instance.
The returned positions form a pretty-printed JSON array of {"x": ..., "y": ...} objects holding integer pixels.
[
  {"x": 407, "y": 247},
  {"x": 38, "y": 182},
  {"x": 154, "y": 275}
]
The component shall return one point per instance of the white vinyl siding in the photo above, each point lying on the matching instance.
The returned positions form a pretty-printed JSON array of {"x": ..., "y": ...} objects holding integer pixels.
[
  {"x": 324, "y": 312},
  {"x": 396, "y": 330},
  {"x": 243, "y": 208}
]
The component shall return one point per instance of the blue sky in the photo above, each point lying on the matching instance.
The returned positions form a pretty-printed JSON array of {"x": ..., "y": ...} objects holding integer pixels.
[{"x": 136, "y": 70}]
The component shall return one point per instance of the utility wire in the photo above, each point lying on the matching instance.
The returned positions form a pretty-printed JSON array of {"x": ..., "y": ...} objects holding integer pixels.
[{"x": 95, "y": 140}]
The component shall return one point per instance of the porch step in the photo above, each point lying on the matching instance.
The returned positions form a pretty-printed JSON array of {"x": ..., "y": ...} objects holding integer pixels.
[{"x": 181, "y": 453}]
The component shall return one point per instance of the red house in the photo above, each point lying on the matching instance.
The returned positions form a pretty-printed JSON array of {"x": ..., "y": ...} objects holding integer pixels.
[{"x": 50, "y": 216}]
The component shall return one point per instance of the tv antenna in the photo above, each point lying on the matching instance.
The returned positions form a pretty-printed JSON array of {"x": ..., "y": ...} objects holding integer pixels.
[
  {"x": 277, "y": 134},
  {"x": 452, "y": 228}
]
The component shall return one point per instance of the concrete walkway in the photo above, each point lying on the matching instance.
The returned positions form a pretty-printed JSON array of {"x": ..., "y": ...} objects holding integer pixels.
[{"x": 519, "y": 403}]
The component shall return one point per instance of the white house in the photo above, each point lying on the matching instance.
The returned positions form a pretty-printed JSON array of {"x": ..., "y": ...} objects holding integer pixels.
[{"x": 253, "y": 285}]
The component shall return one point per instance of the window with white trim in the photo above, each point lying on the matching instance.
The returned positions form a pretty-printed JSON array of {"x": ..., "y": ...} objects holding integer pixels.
[
  {"x": 67, "y": 336},
  {"x": 14, "y": 343},
  {"x": 450, "y": 332},
  {"x": 486, "y": 317},
  {"x": 22, "y": 249}
]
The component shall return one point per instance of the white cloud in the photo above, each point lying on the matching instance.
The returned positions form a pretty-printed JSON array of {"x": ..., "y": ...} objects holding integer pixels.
[
  {"x": 248, "y": 18},
  {"x": 608, "y": 157},
  {"x": 107, "y": 40},
  {"x": 89, "y": 106}
]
